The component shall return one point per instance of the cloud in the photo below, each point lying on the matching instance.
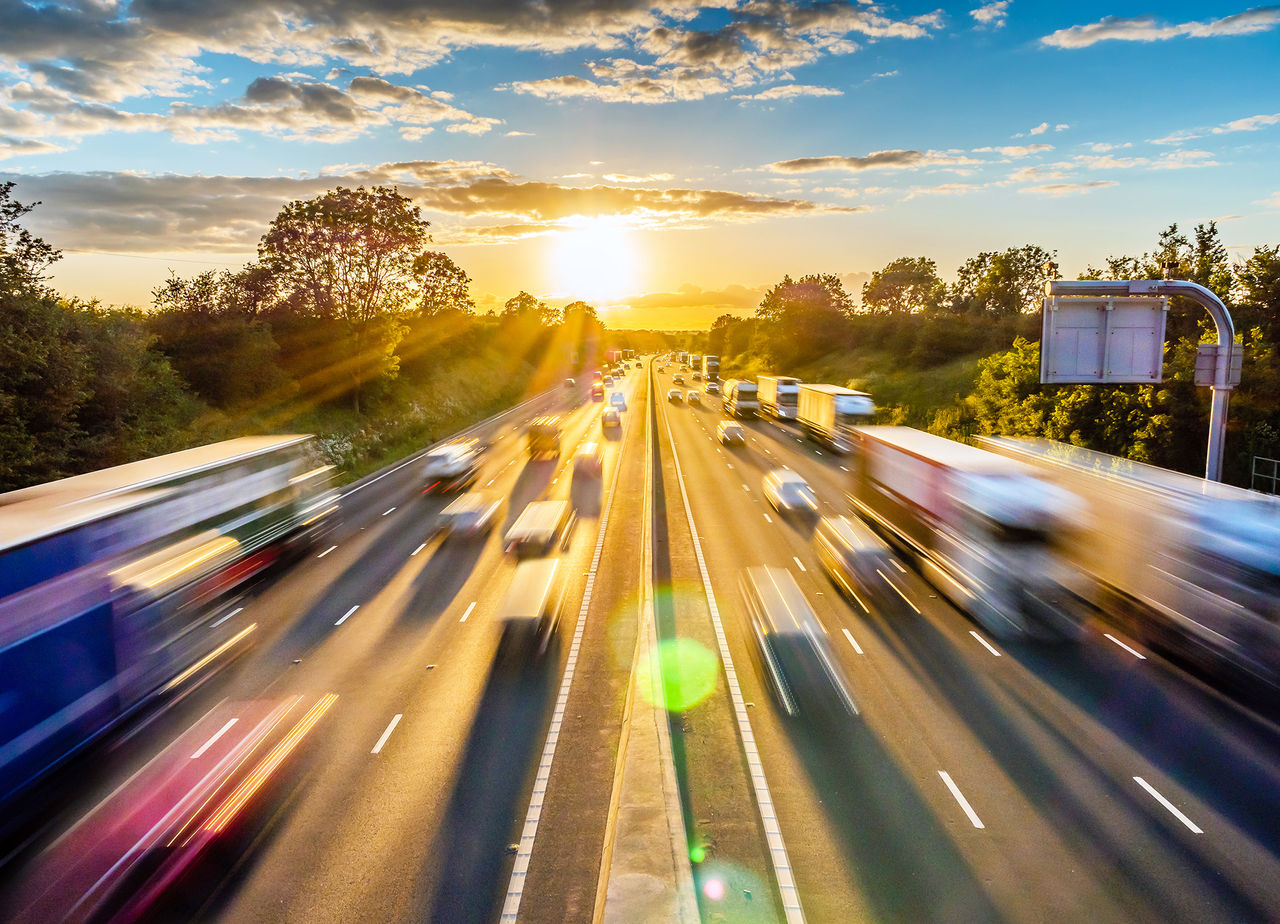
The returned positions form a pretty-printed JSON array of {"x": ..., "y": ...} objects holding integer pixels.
[
  {"x": 1102, "y": 147},
  {"x": 1171, "y": 160},
  {"x": 991, "y": 14},
  {"x": 873, "y": 161},
  {"x": 1250, "y": 124},
  {"x": 1066, "y": 189},
  {"x": 629, "y": 178},
  {"x": 1272, "y": 201},
  {"x": 25, "y": 147},
  {"x": 1040, "y": 129},
  {"x": 170, "y": 213},
  {"x": 791, "y": 91},
  {"x": 1015, "y": 150},
  {"x": 689, "y": 307},
  {"x": 1149, "y": 29},
  {"x": 516, "y": 134},
  {"x": 946, "y": 189}
]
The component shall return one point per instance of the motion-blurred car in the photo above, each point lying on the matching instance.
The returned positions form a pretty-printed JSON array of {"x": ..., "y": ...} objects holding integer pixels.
[
  {"x": 618, "y": 400},
  {"x": 697, "y": 376},
  {"x": 730, "y": 433},
  {"x": 675, "y": 396},
  {"x": 851, "y": 553},
  {"x": 789, "y": 493},
  {"x": 588, "y": 460},
  {"x": 662, "y": 368},
  {"x": 471, "y": 515},
  {"x": 608, "y": 381},
  {"x": 610, "y": 419},
  {"x": 694, "y": 396},
  {"x": 597, "y": 392},
  {"x": 711, "y": 386},
  {"x": 570, "y": 383},
  {"x": 530, "y": 612},
  {"x": 540, "y": 527},
  {"x": 451, "y": 467},
  {"x": 798, "y": 662},
  {"x": 677, "y": 379}
]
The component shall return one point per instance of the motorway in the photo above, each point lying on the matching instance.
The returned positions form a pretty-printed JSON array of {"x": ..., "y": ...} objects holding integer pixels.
[{"x": 979, "y": 781}]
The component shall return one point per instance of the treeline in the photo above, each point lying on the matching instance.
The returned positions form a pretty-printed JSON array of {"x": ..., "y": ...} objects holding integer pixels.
[
  {"x": 978, "y": 339},
  {"x": 346, "y": 325}
]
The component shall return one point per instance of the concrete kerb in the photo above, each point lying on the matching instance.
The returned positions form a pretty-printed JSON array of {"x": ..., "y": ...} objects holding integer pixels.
[{"x": 645, "y": 873}]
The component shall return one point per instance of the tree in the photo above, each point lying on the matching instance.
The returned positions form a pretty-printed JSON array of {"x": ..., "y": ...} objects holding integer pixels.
[
  {"x": 908, "y": 285},
  {"x": 23, "y": 257},
  {"x": 1006, "y": 283},
  {"x": 349, "y": 255},
  {"x": 442, "y": 285},
  {"x": 525, "y": 307},
  {"x": 805, "y": 318}
]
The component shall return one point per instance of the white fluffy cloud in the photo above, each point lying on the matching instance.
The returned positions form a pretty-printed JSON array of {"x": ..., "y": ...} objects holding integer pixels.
[
  {"x": 1151, "y": 29},
  {"x": 991, "y": 14}
]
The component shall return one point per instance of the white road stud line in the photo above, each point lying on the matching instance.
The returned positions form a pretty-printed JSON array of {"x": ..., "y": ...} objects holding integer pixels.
[
  {"x": 468, "y": 612},
  {"x": 216, "y": 735},
  {"x": 347, "y": 615},
  {"x": 377, "y": 748},
  {"x": 1195, "y": 829},
  {"x": 326, "y": 551},
  {"x": 985, "y": 644},
  {"x": 849, "y": 636},
  {"x": 790, "y": 896},
  {"x": 225, "y": 618},
  {"x": 959, "y": 796},
  {"x": 520, "y": 869},
  {"x": 1137, "y": 654}
]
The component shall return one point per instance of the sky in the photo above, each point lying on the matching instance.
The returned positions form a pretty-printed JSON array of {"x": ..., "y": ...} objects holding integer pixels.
[{"x": 664, "y": 160}]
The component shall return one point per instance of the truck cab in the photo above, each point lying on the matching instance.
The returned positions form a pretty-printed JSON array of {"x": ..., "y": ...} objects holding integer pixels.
[{"x": 544, "y": 436}]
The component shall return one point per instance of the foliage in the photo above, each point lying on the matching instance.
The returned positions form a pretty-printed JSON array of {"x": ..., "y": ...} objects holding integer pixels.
[
  {"x": 1005, "y": 283},
  {"x": 442, "y": 285},
  {"x": 23, "y": 257},
  {"x": 803, "y": 317},
  {"x": 907, "y": 285}
]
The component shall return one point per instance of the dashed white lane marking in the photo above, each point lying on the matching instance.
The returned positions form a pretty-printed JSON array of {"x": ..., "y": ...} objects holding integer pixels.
[
  {"x": 897, "y": 591},
  {"x": 490, "y": 481},
  {"x": 787, "y": 890},
  {"x": 377, "y": 748},
  {"x": 894, "y": 562},
  {"x": 849, "y": 636},
  {"x": 385, "y": 512},
  {"x": 326, "y": 551},
  {"x": 959, "y": 796},
  {"x": 843, "y": 469},
  {"x": 985, "y": 644},
  {"x": 799, "y": 563},
  {"x": 1137, "y": 654},
  {"x": 417, "y": 550},
  {"x": 745, "y": 488},
  {"x": 768, "y": 519},
  {"x": 468, "y": 612},
  {"x": 347, "y": 615},
  {"x": 225, "y": 618},
  {"x": 1195, "y": 829},
  {"x": 216, "y": 735}
]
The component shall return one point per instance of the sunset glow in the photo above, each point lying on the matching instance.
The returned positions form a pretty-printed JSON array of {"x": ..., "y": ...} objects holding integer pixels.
[{"x": 596, "y": 262}]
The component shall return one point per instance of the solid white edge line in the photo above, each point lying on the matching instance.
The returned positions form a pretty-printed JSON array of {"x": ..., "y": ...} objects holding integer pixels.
[
  {"x": 468, "y": 612},
  {"x": 347, "y": 615},
  {"x": 225, "y": 618},
  {"x": 985, "y": 644},
  {"x": 377, "y": 748},
  {"x": 959, "y": 797},
  {"x": 849, "y": 636},
  {"x": 799, "y": 563},
  {"x": 529, "y": 832},
  {"x": 326, "y": 551},
  {"x": 216, "y": 735},
  {"x": 1137, "y": 654},
  {"x": 1195, "y": 829},
  {"x": 781, "y": 861}
]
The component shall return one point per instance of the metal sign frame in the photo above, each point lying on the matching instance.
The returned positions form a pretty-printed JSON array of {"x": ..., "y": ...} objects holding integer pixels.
[{"x": 1102, "y": 340}]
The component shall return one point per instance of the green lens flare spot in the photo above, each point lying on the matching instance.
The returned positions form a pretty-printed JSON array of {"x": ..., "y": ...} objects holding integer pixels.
[
  {"x": 698, "y": 854},
  {"x": 679, "y": 674}
]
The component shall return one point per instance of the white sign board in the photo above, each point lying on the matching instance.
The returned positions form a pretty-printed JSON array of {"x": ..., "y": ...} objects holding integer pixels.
[{"x": 1102, "y": 340}]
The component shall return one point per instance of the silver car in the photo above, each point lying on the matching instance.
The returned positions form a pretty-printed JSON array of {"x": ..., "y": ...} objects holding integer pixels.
[
  {"x": 789, "y": 493},
  {"x": 469, "y": 516}
]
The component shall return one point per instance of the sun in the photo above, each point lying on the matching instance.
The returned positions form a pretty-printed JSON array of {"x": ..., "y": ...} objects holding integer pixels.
[{"x": 595, "y": 260}]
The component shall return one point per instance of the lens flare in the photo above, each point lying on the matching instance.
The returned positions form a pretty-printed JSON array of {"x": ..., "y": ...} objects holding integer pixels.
[{"x": 678, "y": 674}]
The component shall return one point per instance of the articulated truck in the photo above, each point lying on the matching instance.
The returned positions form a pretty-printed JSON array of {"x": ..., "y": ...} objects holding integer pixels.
[
  {"x": 1190, "y": 566},
  {"x": 779, "y": 396},
  {"x": 983, "y": 528},
  {"x": 711, "y": 368},
  {"x": 828, "y": 414}
]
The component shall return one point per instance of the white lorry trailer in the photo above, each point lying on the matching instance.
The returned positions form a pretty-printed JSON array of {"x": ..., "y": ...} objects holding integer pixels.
[
  {"x": 1190, "y": 566},
  {"x": 828, "y": 413},
  {"x": 983, "y": 528},
  {"x": 779, "y": 396}
]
